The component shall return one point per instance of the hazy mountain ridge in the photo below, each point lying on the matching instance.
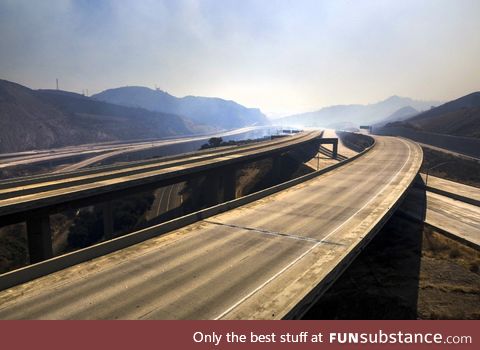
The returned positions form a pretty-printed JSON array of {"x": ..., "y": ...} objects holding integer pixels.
[
  {"x": 356, "y": 113},
  {"x": 399, "y": 115},
  {"x": 459, "y": 117},
  {"x": 39, "y": 119},
  {"x": 212, "y": 111}
]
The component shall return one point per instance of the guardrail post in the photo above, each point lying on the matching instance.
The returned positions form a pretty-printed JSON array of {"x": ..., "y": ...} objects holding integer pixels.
[{"x": 39, "y": 238}]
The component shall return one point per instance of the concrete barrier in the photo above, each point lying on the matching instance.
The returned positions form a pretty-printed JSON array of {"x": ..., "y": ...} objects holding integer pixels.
[{"x": 43, "y": 268}]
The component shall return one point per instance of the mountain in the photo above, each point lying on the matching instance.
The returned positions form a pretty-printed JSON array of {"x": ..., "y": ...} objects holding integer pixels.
[
  {"x": 214, "y": 112},
  {"x": 399, "y": 115},
  {"x": 460, "y": 117},
  {"x": 345, "y": 126},
  {"x": 39, "y": 119},
  {"x": 356, "y": 114}
]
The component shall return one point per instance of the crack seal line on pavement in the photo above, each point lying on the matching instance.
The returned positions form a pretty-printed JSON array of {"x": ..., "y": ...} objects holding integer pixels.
[{"x": 273, "y": 233}]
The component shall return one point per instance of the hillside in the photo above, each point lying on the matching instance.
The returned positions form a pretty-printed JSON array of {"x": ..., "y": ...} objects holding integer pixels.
[
  {"x": 214, "y": 112},
  {"x": 399, "y": 115},
  {"x": 356, "y": 114},
  {"x": 39, "y": 119},
  {"x": 460, "y": 117}
]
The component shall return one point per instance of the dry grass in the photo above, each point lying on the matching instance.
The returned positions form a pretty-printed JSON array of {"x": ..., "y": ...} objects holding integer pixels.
[
  {"x": 449, "y": 279},
  {"x": 456, "y": 169},
  {"x": 437, "y": 246}
]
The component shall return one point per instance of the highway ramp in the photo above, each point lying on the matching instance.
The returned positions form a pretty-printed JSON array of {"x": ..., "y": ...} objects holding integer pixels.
[
  {"x": 453, "y": 216},
  {"x": 259, "y": 261},
  {"x": 451, "y": 208},
  {"x": 342, "y": 149}
]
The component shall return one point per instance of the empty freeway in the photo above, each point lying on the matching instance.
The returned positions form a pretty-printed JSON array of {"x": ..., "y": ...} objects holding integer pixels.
[
  {"x": 101, "y": 151},
  {"x": 40, "y": 191},
  {"x": 267, "y": 259},
  {"x": 449, "y": 207},
  {"x": 34, "y": 199}
]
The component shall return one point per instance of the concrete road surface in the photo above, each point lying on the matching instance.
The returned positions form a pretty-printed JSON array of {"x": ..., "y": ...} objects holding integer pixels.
[
  {"x": 107, "y": 150},
  {"x": 453, "y": 187},
  {"x": 256, "y": 261},
  {"x": 166, "y": 198},
  {"x": 342, "y": 149},
  {"x": 459, "y": 218},
  {"x": 455, "y": 217},
  {"x": 14, "y": 198}
]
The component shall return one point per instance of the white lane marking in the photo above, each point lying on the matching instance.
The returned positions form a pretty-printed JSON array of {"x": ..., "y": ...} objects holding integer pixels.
[
  {"x": 169, "y": 196},
  {"x": 374, "y": 197},
  {"x": 160, "y": 201},
  {"x": 315, "y": 245}
]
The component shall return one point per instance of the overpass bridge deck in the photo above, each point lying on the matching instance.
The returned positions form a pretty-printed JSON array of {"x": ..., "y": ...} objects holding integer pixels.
[{"x": 267, "y": 259}]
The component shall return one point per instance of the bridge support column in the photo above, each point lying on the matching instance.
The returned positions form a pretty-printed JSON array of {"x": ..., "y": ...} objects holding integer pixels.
[
  {"x": 107, "y": 212},
  {"x": 335, "y": 150},
  {"x": 220, "y": 186},
  {"x": 39, "y": 238},
  {"x": 229, "y": 184},
  {"x": 277, "y": 165},
  {"x": 213, "y": 189}
]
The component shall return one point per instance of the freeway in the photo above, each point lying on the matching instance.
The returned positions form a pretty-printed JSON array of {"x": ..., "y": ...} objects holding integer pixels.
[
  {"x": 264, "y": 260},
  {"x": 444, "y": 186},
  {"x": 102, "y": 151},
  {"x": 456, "y": 217},
  {"x": 342, "y": 149},
  {"x": 166, "y": 198},
  {"x": 18, "y": 196},
  {"x": 451, "y": 207}
]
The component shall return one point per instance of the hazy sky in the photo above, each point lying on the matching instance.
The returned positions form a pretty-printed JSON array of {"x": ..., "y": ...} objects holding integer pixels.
[{"x": 281, "y": 56}]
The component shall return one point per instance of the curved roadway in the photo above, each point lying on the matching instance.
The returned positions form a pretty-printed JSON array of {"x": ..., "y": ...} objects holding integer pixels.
[
  {"x": 107, "y": 150},
  {"x": 257, "y": 261},
  {"x": 19, "y": 195}
]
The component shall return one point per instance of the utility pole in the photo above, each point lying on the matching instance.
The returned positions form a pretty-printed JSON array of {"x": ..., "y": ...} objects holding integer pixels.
[{"x": 57, "y": 83}]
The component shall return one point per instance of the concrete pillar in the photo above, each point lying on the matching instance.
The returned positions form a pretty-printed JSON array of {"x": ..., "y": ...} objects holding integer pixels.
[
  {"x": 107, "y": 211},
  {"x": 213, "y": 188},
  {"x": 277, "y": 167},
  {"x": 39, "y": 238},
  {"x": 335, "y": 150},
  {"x": 229, "y": 184}
]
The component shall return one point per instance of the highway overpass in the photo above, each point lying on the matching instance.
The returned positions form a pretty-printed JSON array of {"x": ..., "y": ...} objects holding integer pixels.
[
  {"x": 34, "y": 199},
  {"x": 266, "y": 259},
  {"x": 448, "y": 207},
  {"x": 96, "y": 153}
]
